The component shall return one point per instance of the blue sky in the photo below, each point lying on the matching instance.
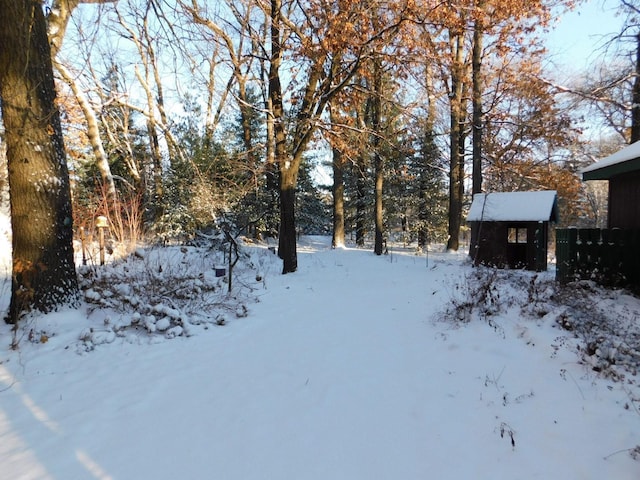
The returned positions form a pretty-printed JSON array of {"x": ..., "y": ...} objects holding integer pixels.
[{"x": 579, "y": 34}]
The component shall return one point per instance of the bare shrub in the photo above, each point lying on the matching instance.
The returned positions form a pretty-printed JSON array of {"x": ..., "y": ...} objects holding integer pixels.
[
  {"x": 476, "y": 294},
  {"x": 165, "y": 292}
]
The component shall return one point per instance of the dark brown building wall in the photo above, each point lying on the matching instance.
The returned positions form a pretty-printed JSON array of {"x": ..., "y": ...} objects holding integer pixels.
[
  {"x": 492, "y": 248},
  {"x": 624, "y": 201}
]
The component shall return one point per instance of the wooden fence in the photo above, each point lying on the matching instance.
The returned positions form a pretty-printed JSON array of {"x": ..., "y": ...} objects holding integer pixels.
[{"x": 610, "y": 257}]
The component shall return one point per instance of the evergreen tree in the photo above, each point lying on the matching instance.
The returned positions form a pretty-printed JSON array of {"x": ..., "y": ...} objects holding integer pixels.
[
  {"x": 314, "y": 215},
  {"x": 430, "y": 189}
]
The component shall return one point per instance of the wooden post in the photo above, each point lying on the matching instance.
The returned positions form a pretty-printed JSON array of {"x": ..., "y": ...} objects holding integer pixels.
[
  {"x": 83, "y": 243},
  {"x": 101, "y": 240}
]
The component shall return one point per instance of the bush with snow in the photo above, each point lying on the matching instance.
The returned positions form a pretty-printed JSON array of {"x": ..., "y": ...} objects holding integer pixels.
[
  {"x": 602, "y": 327},
  {"x": 165, "y": 292}
]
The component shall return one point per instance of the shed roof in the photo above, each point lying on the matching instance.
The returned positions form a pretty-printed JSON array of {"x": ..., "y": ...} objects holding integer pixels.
[
  {"x": 514, "y": 207},
  {"x": 623, "y": 161}
]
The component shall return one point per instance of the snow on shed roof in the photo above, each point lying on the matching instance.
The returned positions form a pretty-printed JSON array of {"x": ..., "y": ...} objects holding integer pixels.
[
  {"x": 622, "y": 161},
  {"x": 514, "y": 207}
]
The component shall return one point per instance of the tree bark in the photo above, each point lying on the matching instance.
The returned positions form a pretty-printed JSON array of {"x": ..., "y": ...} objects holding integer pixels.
[
  {"x": 58, "y": 19},
  {"x": 456, "y": 168},
  {"x": 337, "y": 163},
  {"x": 477, "y": 120},
  {"x": 635, "y": 109},
  {"x": 379, "y": 213},
  {"x": 43, "y": 275},
  {"x": 288, "y": 169},
  {"x": 378, "y": 161},
  {"x": 287, "y": 241}
]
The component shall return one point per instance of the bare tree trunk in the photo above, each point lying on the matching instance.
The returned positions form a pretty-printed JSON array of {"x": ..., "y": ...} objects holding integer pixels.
[
  {"x": 477, "y": 120},
  {"x": 93, "y": 132},
  {"x": 287, "y": 241},
  {"x": 326, "y": 75},
  {"x": 378, "y": 161},
  {"x": 338, "y": 199},
  {"x": 246, "y": 114},
  {"x": 57, "y": 21},
  {"x": 288, "y": 174},
  {"x": 635, "y": 109},
  {"x": 43, "y": 275},
  {"x": 122, "y": 142},
  {"x": 378, "y": 247},
  {"x": 271, "y": 167},
  {"x": 476, "y": 66},
  {"x": 155, "y": 100},
  {"x": 456, "y": 168},
  {"x": 154, "y": 143}
]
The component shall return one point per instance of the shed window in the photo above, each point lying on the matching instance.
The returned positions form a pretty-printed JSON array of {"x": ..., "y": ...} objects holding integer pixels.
[{"x": 517, "y": 235}]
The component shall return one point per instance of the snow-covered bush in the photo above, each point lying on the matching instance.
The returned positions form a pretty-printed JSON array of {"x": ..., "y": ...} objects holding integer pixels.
[
  {"x": 598, "y": 321},
  {"x": 166, "y": 292},
  {"x": 608, "y": 329}
]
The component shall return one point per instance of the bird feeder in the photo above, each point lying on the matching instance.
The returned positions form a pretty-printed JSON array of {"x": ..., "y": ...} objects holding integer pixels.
[{"x": 101, "y": 224}]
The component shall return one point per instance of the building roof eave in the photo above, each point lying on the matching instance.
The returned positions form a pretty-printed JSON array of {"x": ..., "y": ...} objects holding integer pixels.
[{"x": 613, "y": 170}]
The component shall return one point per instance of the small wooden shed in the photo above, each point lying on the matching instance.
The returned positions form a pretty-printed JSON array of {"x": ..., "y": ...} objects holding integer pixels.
[
  {"x": 622, "y": 170},
  {"x": 511, "y": 229}
]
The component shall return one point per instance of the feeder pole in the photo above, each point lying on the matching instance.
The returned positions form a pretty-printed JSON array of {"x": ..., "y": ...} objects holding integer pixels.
[
  {"x": 101, "y": 223},
  {"x": 84, "y": 246}
]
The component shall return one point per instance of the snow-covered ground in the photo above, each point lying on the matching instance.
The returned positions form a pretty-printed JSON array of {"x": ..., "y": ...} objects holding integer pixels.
[{"x": 354, "y": 367}]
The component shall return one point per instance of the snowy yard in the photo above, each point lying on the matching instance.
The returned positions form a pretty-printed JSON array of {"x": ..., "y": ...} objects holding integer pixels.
[{"x": 354, "y": 367}]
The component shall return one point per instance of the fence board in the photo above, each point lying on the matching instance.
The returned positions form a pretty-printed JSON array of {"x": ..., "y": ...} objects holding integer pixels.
[{"x": 610, "y": 257}]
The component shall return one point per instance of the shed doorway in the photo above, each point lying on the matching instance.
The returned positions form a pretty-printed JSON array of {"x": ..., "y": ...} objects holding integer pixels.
[{"x": 517, "y": 246}]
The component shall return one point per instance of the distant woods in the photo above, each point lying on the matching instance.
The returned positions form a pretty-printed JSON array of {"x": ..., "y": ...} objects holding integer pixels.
[{"x": 364, "y": 120}]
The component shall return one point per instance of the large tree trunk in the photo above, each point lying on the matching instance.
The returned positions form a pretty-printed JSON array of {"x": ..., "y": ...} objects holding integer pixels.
[
  {"x": 635, "y": 110},
  {"x": 476, "y": 66},
  {"x": 287, "y": 241},
  {"x": 271, "y": 167},
  {"x": 337, "y": 164},
  {"x": 288, "y": 168},
  {"x": 477, "y": 120},
  {"x": 338, "y": 199},
  {"x": 456, "y": 167},
  {"x": 43, "y": 275},
  {"x": 376, "y": 122},
  {"x": 378, "y": 247}
]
